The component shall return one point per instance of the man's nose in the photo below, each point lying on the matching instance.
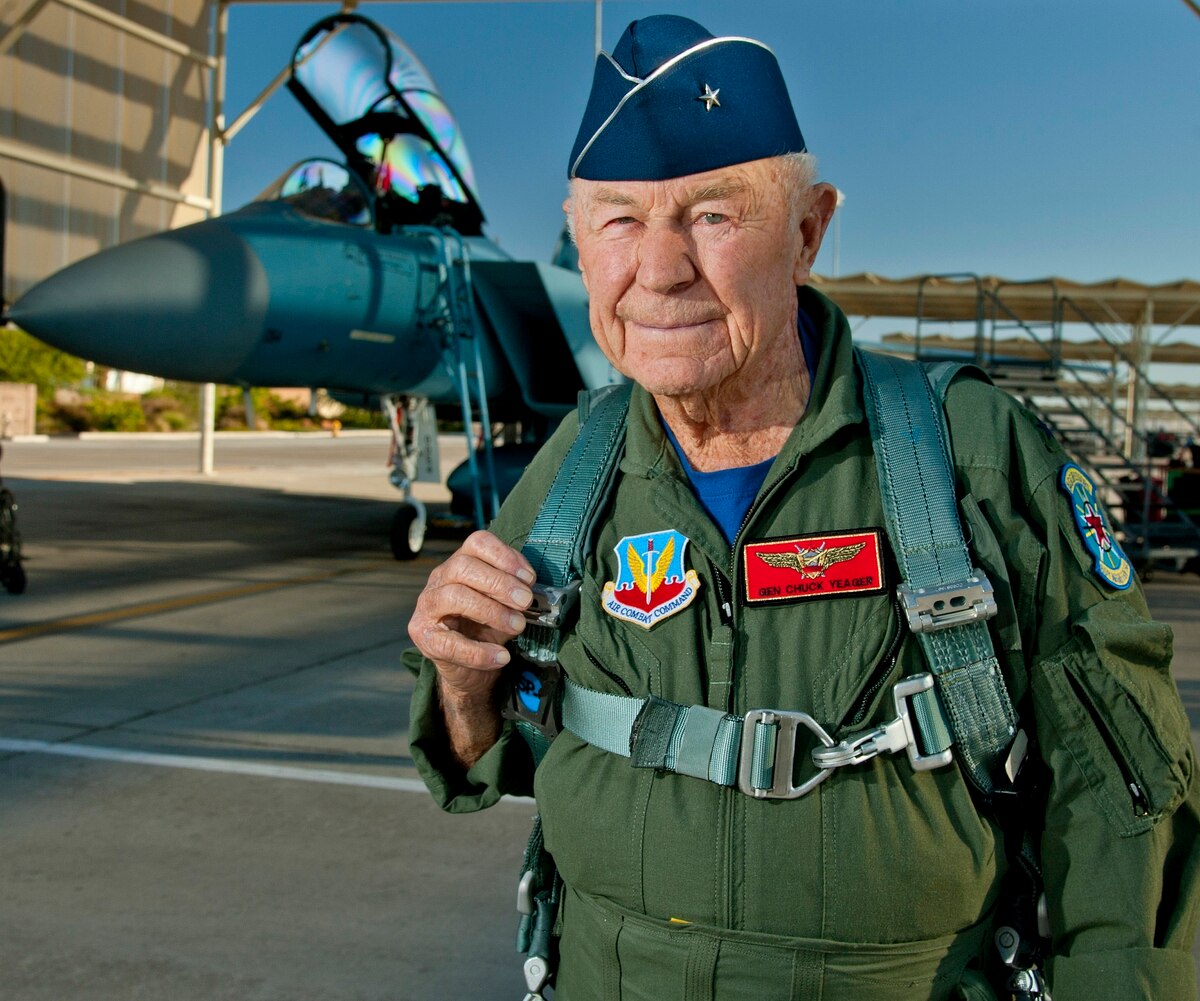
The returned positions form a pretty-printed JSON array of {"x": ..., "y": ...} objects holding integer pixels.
[{"x": 665, "y": 258}]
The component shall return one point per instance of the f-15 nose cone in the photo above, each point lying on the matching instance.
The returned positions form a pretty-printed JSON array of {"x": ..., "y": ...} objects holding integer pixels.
[{"x": 187, "y": 304}]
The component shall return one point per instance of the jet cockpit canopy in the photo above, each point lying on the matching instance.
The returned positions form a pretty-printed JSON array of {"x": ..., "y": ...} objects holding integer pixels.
[
  {"x": 323, "y": 189},
  {"x": 378, "y": 103}
]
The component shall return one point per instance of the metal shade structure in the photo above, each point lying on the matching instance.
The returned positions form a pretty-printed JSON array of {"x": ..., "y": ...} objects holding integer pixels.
[
  {"x": 936, "y": 297},
  {"x": 1095, "y": 350}
]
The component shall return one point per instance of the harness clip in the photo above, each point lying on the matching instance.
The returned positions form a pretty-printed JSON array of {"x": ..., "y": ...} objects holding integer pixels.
[
  {"x": 767, "y": 761},
  {"x": 898, "y": 735},
  {"x": 942, "y": 606},
  {"x": 552, "y": 604}
]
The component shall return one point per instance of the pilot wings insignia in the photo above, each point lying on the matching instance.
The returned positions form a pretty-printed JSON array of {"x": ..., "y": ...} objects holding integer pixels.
[
  {"x": 835, "y": 565},
  {"x": 811, "y": 562}
]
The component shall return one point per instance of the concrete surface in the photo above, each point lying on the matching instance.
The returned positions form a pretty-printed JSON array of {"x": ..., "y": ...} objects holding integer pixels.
[{"x": 248, "y": 626}]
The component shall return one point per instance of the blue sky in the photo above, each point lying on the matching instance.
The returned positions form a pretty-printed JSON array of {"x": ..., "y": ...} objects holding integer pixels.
[{"x": 1021, "y": 138}]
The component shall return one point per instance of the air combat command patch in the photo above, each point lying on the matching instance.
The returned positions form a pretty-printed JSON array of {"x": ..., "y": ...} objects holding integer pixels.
[
  {"x": 837, "y": 565},
  {"x": 1112, "y": 565},
  {"x": 652, "y": 582}
]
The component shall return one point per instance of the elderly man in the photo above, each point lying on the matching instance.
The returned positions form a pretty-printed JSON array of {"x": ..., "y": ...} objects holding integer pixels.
[{"x": 746, "y": 557}]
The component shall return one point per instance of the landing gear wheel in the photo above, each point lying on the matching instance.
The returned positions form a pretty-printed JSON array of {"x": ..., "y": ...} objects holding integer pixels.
[
  {"x": 408, "y": 532},
  {"x": 13, "y": 578}
]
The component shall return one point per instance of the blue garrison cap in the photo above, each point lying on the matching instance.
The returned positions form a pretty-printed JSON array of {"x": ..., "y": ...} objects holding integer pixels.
[{"x": 671, "y": 99}]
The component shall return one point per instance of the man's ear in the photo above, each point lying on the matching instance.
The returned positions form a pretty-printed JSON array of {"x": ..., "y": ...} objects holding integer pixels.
[
  {"x": 568, "y": 206},
  {"x": 822, "y": 203}
]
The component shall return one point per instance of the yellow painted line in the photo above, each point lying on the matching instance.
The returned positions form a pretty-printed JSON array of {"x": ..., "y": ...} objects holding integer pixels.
[{"x": 90, "y": 619}]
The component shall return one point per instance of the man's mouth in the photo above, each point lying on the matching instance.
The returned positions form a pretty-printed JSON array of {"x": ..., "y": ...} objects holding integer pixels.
[{"x": 670, "y": 324}]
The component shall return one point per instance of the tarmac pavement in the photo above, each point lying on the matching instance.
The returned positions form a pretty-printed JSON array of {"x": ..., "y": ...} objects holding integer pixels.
[
  {"x": 250, "y": 622},
  {"x": 205, "y": 787}
]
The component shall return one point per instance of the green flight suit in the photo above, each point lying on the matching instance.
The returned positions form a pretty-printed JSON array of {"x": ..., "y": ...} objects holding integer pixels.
[{"x": 881, "y": 883}]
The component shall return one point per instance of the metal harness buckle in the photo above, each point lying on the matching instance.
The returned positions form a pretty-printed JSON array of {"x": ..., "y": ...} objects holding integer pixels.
[
  {"x": 551, "y": 604},
  {"x": 780, "y": 757},
  {"x": 898, "y": 735},
  {"x": 941, "y": 606}
]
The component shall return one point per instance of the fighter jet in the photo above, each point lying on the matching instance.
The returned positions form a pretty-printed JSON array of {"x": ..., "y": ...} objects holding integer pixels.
[{"x": 370, "y": 278}]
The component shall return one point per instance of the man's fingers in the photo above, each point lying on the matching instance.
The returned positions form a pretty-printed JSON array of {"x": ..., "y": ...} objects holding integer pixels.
[
  {"x": 452, "y": 649},
  {"x": 472, "y": 605},
  {"x": 487, "y": 567},
  {"x": 489, "y": 549},
  {"x": 501, "y": 614}
]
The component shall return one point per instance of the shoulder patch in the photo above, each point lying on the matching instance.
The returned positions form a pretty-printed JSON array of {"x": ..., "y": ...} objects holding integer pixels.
[
  {"x": 1111, "y": 564},
  {"x": 653, "y": 581},
  {"x": 837, "y": 565}
]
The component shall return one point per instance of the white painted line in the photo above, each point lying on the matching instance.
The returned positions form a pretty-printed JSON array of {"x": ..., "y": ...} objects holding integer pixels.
[{"x": 215, "y": 765}]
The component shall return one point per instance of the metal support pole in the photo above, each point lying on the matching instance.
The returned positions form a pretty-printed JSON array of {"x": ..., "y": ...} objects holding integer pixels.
[
  {"x": 3, "y": 241},
  {"x": 599, "y": 26},
  {"x": 216, "y": 174},
  {"x": 217, "y": 139},
  {"x": 248, "y": 407},
  {"x": 208, "y": 415},
  {"x": 240, "y": 121},
  {"x": 1135, "y": 412}
]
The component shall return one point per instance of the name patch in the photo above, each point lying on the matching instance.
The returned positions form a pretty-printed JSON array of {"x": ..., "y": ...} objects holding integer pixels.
[{"x": 839, "y": 565}]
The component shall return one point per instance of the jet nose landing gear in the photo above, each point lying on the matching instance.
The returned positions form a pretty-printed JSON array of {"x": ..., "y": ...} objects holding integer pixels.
[{"x": 408, "y": 530}]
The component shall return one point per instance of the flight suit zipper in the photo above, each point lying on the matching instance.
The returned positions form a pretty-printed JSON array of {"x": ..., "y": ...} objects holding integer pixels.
[
  {"x": 878, "y": 678},
  {"x": 1138, "y": 799},
  {"x": 724, "y": 597},
  {"x": 616, "y": 679}
]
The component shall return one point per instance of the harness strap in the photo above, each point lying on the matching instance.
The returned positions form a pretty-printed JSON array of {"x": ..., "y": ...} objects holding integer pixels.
[
  {"x": 555, "y": 548},
  {"x": 756, "y": 752},
  {"x": 654, "y": 733},
  {"x": 560, "y": 535},
  {"x": 947, "y": 600}
]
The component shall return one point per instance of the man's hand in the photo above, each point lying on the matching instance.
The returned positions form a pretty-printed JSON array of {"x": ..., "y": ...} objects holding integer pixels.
[{"x": 471, "y": 606}]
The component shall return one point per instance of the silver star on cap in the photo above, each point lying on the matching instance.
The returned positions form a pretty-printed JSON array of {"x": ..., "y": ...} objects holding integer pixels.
[{"x": 709, "y": 97}]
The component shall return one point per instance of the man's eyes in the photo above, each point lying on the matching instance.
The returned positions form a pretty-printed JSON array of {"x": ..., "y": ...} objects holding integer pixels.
[{"x": 703, "y": 219}]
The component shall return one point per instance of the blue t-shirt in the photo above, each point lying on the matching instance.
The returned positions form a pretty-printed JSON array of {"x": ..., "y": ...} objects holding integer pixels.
[{"x": 726, "y": 494}]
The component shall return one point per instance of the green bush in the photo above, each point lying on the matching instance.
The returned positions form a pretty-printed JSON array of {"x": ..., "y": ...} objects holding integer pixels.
[
  {"x": 362, "y": 417},
  {"x": 62, "y": 418},
  {"x": 26, "y": 359},
  {"x": 168, "y": 411},
  {"x": 114, "y": 413}
]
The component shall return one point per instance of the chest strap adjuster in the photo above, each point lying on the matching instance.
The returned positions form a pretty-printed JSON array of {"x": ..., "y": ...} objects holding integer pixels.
[
  {"x": 929, "y": 609},
  {"x": 552, "y": 604}
]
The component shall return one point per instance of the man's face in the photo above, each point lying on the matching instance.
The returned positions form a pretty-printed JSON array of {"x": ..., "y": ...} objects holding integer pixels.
[{"x": 691, "y": 281}]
